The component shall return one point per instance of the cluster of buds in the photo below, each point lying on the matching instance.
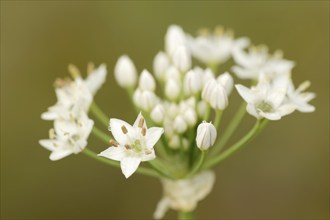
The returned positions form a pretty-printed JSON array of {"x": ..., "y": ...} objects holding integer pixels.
[{"x": 186, "y": 103}]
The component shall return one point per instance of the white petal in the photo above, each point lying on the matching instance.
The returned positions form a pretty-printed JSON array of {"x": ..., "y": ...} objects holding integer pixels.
[
  {"x": 129, "y": 165},
  {"x": 153, "y": 135},
  {"x": 161, "y": 208},
  {"x": 250, "y": 108},
  {"x": 137, "y": 121},
  {"x": 271, "y": 115},
  {"x": 246, "y": 93},
  {"x": 48, "y": 144},
  {"x": 286, "y": 109},
  {"x": 49, "y": 115},
  {"x": 116, "y": 127},
  {"x": 150, "y": 156},
  {"x": 59, "y": 154},
  {"x": 114, "y": 153},
  {"x": 276, "y": 97},
  {"x": 96, "y": 79}
]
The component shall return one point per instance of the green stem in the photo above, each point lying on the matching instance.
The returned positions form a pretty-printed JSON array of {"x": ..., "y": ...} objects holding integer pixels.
[
  {"x": 198, "y": 165},
  {"x": 230, "y": 129},
  {"x": 101, "y": 135},
  {"x": 208, "y": 111},
  {"x": 217, "y": 120},
  {"x": 140, "y": 170},
  {"x": 185, "y": 215},
  {"x": 99, "y": 114},
  {"x": 243, "y": 141}
]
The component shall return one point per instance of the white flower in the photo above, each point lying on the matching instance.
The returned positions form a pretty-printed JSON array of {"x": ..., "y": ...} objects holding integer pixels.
[
  {"x": 300, "y": 98},
  {"x": 147, "y": 81},
  {"x": 193, "y": 82},
  {"x": 158, "y": 113},
  {"x": 135, "y": 143},
  {"x": 68, "y": 136},
  {"x": 227, "y": 81},
  {"x": 183, "y": 195},
  {"x": 215, "y": 94},
  {"x": 96, "y": 78},
  {"x": 172, "y": 89},
  {"x": 146, "y": 100},
  {"x": 206, "y": 135},
  {"x": 265, "y": 100},
  {"x": 161, "y": 64},
  {"x": 174, "y": 38},
  {"x": 125, "y": 72},
  {"x": 181, "y": 59},
  {"x": 212, "y": 48}
]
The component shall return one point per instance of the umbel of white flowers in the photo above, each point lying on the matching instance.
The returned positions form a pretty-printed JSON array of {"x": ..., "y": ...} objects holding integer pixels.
[{"x": 183, "y": 103}]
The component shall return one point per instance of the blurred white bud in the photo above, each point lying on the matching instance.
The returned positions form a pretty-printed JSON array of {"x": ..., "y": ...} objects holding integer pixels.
[
  {"x": 206, "y": 135},
  {"x": 182, "y": 59},
  {"x": 145, "y": 100},
  {"x": 180, "y": 125},
  {"x": 174, "y": 142},
  {"x": 172, "y": 73},
  {"x": 190, "y": 117},
  {"x": 172, "y": 110},
  {"x": 172, "y": 89},
  {"x": 125, "y": 72},
  {"x": 215, "y": 94},
  {"x": 174, "y": 38},
  {"x": 208, "y": 75},
  {"x": 193, "y": 82},
  {"x": 161, "y": 64},
  {"x": 201, "y": 108},
  {"x": 158, "y": 113},
  {"x": 147, "y": 81},
  {"x": 227, "y": 81}
]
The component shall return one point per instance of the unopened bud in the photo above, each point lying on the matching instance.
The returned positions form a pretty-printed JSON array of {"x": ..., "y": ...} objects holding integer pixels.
[
  {"x": 125, "y": 72},
  {"x": 193, "y": 82},
  {"x": 172, "y": 89},
  {"x": 215, "y": 94},
  {"x": 180, "y": 125},
  {"x": 161, "y": 64},
  {"x": 147, "y": 81},
  {"x": 182, "y": 59},
  {"x": 158, "y": 113},
  {"x": 206, "y": 135},
  {"x": 227, "y": 81}
]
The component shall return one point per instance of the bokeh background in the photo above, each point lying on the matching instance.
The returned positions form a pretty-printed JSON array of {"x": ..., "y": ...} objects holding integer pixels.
[{"x": 283, "y": 174}]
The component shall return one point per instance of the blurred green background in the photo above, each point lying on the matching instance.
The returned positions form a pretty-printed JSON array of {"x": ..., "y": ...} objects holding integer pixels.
[{"x": 283, "y": 174}]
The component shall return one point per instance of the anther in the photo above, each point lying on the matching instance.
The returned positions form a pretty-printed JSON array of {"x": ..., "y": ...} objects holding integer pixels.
[
  {"x": 141, "y": 122},
  {"x": 74, "y": 71},
  {"x": 127, "y": 147},
  {"x": 124, "y": 129},
  {"x": 52, "y": 133},
  {"x": 90, "y": 67},
  {"x": 113, "y": 143},
  {"x": 144, "y": 131}
]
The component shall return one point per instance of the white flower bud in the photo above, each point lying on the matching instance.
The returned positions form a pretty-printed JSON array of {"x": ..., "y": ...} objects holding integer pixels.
[
  {"x": 145, "y": 100},
  {"x": 190, "y": 117},
  {"x": 181, "y": 59},
  {"x": 215, "y": 94},
  {"x": 193, "y": 82},
  {"x": 226, "y": 81},
  {"x": 161, "y": 64},
  {"x": 172, "y": 110},
  {"x": 208, "y": 75},
  {"x": 174, "y": 142},
  {"x": 206, "y": 135},
  {"x": 172, "y": 73},
  {"x": 147, "y": 81},
  {"x": 172, "y": 89},
  {"x": 158, "y": 113},
  {"x": 201, "y": 108},
  {"x": 180, "y": 125},
  {"x": 174, "y": 38},
  {"x": 125, "y": 72}
]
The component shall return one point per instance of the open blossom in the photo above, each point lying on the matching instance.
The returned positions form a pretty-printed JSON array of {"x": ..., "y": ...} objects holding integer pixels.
[
  {"x": 132, "y": 144},
  {"x": 299, "y": 98},
  {"x": 257, "y": 61},
  {"x": 183, "y": 195},
  {"x": 74, "y": 96},
  {"x": 266, "y": 100},
  {"x": 68, "y": 136}
]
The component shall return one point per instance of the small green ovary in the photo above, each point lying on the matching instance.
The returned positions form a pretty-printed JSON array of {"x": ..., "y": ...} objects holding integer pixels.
[
  {"x": 264, "y": 106},
  {"x": 137, "y": 146}
]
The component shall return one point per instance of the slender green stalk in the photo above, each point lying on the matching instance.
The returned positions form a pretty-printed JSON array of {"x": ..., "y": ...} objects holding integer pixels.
[
  {"x": 101, "y": 135},
  {"x": 99, "y": 114},
  {"x": 217, "y": 120},
  {"x": 185, "y": 215},
  {"x": 207, "y": 113},
  {"x": 228, "y": 132},
  {"x": 140, "y": 170},
  {"x": 198, "y": 165},
  {"x": 231, "y": 150}
]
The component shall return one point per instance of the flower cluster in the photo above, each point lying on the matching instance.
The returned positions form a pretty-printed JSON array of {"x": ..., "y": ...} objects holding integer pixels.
[{"x": 183, "y": 98}]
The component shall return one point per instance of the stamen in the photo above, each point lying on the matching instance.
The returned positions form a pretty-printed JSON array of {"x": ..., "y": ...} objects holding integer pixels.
[
  {"x": 144, "y": 131},
  {"x": 147, "y": 152},
  {"x": 141, "y": 122},
  {"x": 52, "y": 133},
  {"x": 113, "y": 143},
  {"x": 127, "y": 147},
  {"x": 90, "y": 67},
  {"x": 124, "y": 129},
  {"x": 74, "y": 71}
]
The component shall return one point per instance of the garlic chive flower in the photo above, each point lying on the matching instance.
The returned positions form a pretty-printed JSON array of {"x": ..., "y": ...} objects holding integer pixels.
[
  {"x": 215, "y": 94},
  {"x": 206, "y": 135},
  {"x": 125, "y": 72},
  {"x": 134, "y": 143}
]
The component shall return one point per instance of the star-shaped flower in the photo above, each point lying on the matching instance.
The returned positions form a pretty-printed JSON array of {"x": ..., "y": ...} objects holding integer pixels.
[{"x": 132, "y": 144}]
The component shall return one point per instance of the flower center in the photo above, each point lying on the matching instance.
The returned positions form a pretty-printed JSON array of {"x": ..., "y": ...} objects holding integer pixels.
[{"x": 264, "y": 106}]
